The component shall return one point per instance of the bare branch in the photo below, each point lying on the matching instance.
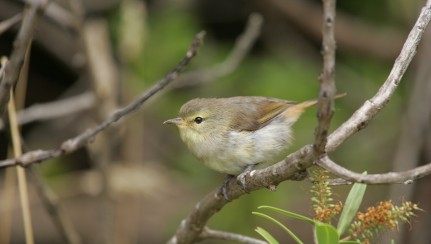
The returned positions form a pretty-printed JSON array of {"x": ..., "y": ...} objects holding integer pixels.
[
  {"x": 6, "y": 24},
  {"x": 15, "y": 63},
  {"x": 208, "y": 233},
  {"x": 55, "y": 210},
  {"x": 3, "y": 62},
  {"x": 79, "y": 141},
  {"x": 242, "y": 46},
  {"x": 338, "y": 182},
  {"x": 57, "y": 13},
  {"x": 191, "y": 227},
  {"x": 351, "y": 34},
  {"x": 55, "y": 109},
  {"x": 405, "y": 177},
  {"x": 371, "y": 107},
  {"x": 327, "y": 78}
]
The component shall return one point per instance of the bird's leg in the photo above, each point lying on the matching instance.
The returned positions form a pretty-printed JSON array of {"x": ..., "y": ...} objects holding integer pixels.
[
  {"x": 223, "y": 188},
  {"x": 241, "y": 177}
]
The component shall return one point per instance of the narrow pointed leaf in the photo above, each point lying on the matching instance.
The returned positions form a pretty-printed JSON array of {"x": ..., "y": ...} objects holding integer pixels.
[
  {"x": 266, "y": 235},
  {"x": 351, "y": 206},
  {"x": 287, "y": 213},
  {"x": 297, "y": 240}
]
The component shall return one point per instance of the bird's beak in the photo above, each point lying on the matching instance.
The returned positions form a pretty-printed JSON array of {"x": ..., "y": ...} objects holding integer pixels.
[{"x": 175, "y": 121}]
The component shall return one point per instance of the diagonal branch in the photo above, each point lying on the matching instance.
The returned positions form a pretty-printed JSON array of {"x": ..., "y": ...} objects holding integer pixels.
[
  {"x": 79, "y": 141},
  {"x": 372, "y": 106},
  {"x": 242, "y": 46},
  {"x": 55, "y": 109},
  {"x": 191, "y": 227},
  {"x": 21, "y": 43},
  {"x": 6, "y": 24}
]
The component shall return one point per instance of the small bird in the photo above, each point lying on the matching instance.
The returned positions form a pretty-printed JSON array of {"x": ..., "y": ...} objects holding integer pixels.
[{"x": 232, "y": 135}]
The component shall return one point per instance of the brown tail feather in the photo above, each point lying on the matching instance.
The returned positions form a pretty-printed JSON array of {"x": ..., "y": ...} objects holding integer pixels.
[{"x": 310, "y": 103}]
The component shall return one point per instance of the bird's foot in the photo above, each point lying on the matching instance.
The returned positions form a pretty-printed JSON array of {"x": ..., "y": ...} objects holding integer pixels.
[
  {"x": 223, "y": 188},
  {"x": 241, "y": 177}
]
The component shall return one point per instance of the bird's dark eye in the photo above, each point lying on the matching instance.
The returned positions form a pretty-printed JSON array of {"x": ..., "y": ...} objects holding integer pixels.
[{"x": 198, "y": 120}]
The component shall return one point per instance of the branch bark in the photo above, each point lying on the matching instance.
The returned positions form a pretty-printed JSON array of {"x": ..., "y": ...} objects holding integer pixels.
[
  {"x": 21, "y": 43},
  {"x": 192, "y": 226},
  {"x": 372, "y": 106},
  {"x": 54, "y": 208},
  {"x": 404, "y": 177},
  {"x": 208, "y": 233},
  {"x": 351, "y": 34},
  {"x": 327, "y": 78},
  {"x": 84, "y": 138},
  {"x": 242, "y": 46},
  {"x": 6, "y": 24},
  {"x": 55, "y": 109}
]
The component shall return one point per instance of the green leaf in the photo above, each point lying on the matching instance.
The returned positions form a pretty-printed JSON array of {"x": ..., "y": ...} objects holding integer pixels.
[
  {"x": 279, "y": 224},
  {"x": 287, "y": 213},
  {"x": 351, "y": 206},
  {"x": 349, "y": 242},
  {"x": 326, "y": 233},
  {"x": 265, "y": 234}
]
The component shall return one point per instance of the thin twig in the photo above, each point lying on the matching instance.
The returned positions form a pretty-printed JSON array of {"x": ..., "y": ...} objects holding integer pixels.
[
  {"x": 3, "y": 62},
  {"x": 57, "y": 13},
  {"x": 55, "y": 109},
  {"x": 15, "y": 63},
  {"x": 53, "y": 207},
  {"x": 105, "y": 82},
  {"x": 82, "y": 139},
  {"x": 6, "y": 24},
  {"x": 327, "y": 78},
  {"x": 8, "y": 204},
  {"x": 191, "y": 227},
  {"x": 338, "y": 182},
  {"x": 242, "y": 46},
  {"x": 22, "y": 182},
  {"x": 411, "y": 148},
  {"x": 371, "y": 107},
  {"x": 404, "y": 177},
  {"x": 208, "y": 233},
  {"x": 351, "y": 33}
]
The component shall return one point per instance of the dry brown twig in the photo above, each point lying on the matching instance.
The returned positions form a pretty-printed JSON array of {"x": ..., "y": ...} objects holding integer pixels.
[
  {"x": 208, "y": 233},
  {"x": 403, "y": 177},
  {"x": 84, "y": 101},
  {"x": 16, "y": 59},
  {"x": 6, "y": 24},
  {"x": 242, "y": 46},
  {"x": 55, "y": 109},
  {"x": 191, "y": 227},
  {"x": 53, "y": 207},
  {"x": 325, "y": 106},
  {"x": 351, "y": 34},
  {"x": 81, "y": 140},
  {"x": 21, "y": 173}
]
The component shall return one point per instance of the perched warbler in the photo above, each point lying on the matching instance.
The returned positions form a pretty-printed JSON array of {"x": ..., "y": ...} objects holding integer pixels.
[{"x": 232, "y": 135}]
